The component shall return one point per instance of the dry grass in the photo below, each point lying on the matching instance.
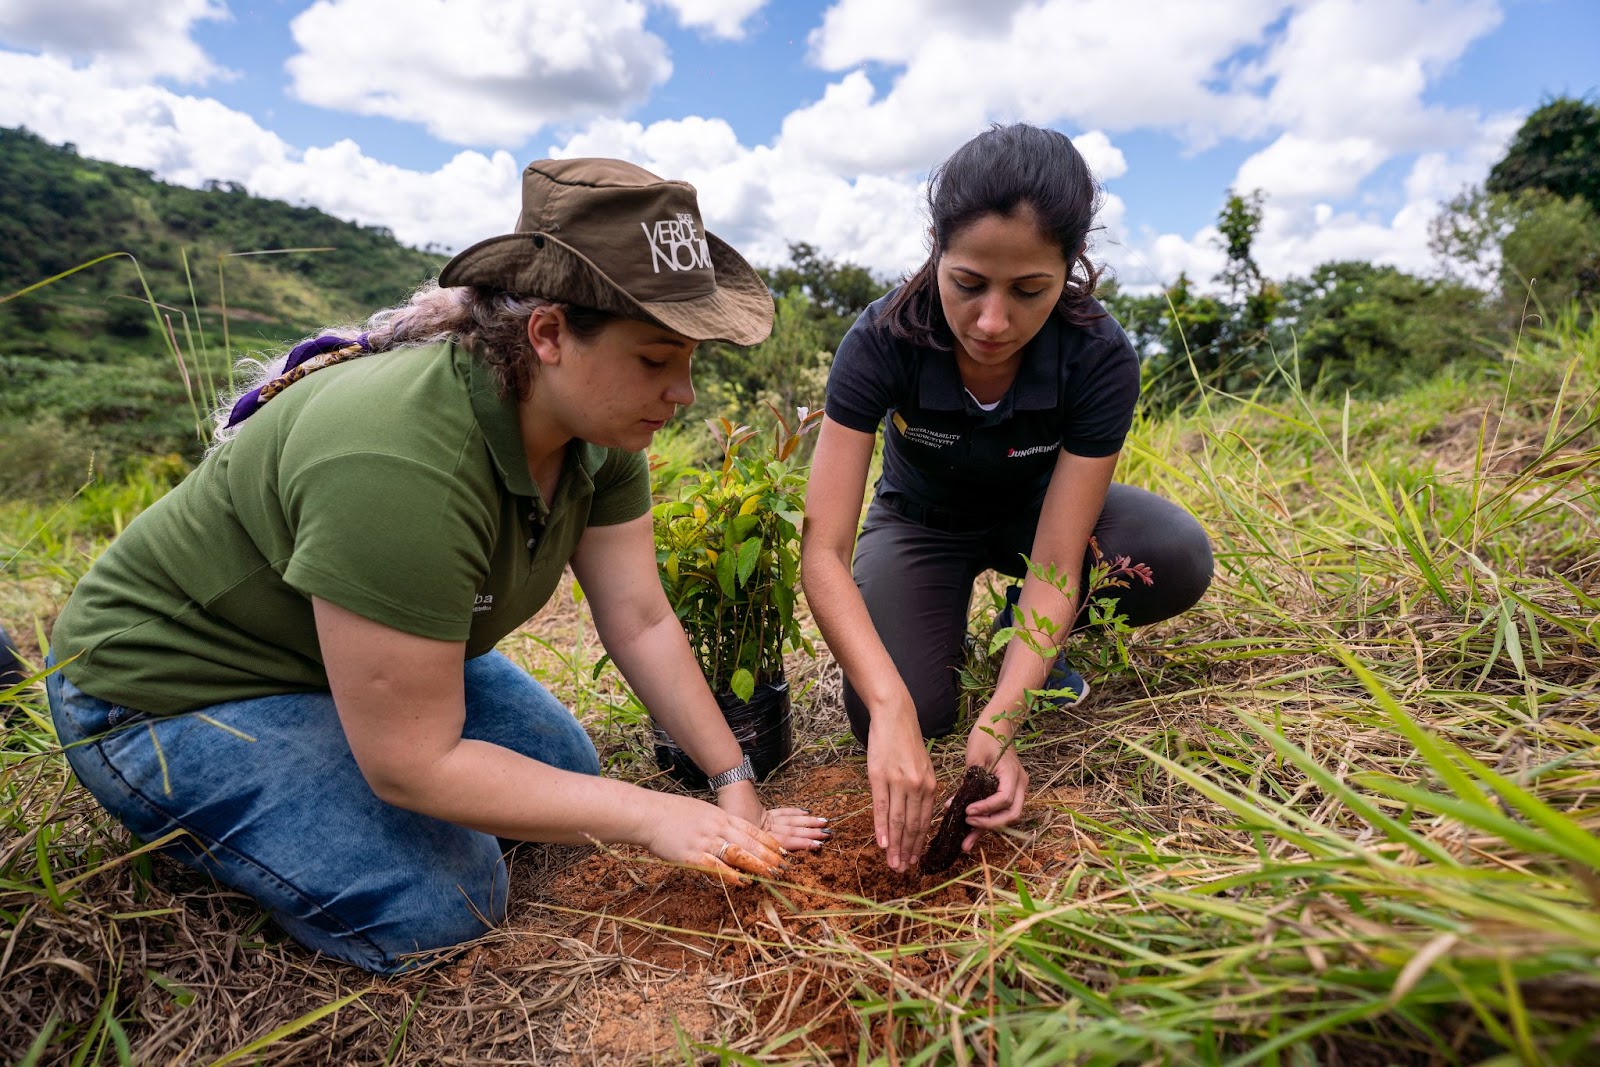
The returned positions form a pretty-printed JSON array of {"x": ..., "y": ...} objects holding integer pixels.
[{"x": 1345, "y": 811}]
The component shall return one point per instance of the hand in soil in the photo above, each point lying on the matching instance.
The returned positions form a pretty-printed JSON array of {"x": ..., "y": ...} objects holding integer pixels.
[
  {"x": 693, "y": 832},
  {"x": 903, "y": 786},
  {"x": 1005, "y": 806},
  {"x": 795, "y": 828},
  {"x": 945, "y": 848}
]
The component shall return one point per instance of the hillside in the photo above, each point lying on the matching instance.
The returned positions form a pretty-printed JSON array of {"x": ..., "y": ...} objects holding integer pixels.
[{"x": 86, "y": 352}]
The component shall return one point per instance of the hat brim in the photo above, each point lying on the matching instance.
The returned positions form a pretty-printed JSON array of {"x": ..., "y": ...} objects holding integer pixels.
[{"x": 739, "y": 310}]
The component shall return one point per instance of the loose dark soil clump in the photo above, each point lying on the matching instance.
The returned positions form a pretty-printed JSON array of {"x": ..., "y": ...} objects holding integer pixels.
[{"x": 945, "y": 848}]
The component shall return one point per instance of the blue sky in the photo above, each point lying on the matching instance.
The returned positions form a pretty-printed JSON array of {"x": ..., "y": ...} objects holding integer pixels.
[{"x": 816, "y": 121}]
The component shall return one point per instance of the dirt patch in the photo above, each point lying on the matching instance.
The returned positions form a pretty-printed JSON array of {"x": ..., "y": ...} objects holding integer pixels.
[{"x": 807, "y": 955}]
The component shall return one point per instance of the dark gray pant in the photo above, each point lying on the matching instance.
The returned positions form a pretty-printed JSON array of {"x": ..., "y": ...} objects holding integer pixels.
[{"x": 917, "y": 582}]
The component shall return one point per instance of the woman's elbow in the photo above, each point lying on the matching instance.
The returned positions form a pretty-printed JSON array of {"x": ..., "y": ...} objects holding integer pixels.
[
  {"x": 400, "y": 783},
  {"x": 813, "y": 554}
]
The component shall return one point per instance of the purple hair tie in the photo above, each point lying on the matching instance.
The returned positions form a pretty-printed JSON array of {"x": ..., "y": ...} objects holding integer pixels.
[{"x": 305, "y": 357}]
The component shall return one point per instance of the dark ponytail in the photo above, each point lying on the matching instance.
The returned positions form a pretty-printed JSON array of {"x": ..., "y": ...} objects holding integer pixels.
[{"x": 1000, "y": 170}]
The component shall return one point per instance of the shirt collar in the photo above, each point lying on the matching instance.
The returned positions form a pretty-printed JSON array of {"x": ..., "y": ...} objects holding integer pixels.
[
  {"x": 500, "y": 422},
  {"x": 1036, "y": 388}
]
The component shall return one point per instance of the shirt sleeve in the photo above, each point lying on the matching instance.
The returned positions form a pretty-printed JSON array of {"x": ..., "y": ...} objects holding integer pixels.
[
  {"x": 861, "y": 381},
  {"x": 392, "y": 539},
  {"x": 1101, "y": 396},
  {"x": 621, "y": 488}
]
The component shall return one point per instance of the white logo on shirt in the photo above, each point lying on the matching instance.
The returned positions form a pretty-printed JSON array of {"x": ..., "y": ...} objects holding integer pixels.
[
  {"x": 482, "y": 602},
  {"x": 676, "y": 243},
  {"x": 921, "y": 435}
]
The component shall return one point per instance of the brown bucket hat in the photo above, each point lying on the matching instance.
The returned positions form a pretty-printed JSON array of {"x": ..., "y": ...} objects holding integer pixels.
[{"x": 606, "y": 234}]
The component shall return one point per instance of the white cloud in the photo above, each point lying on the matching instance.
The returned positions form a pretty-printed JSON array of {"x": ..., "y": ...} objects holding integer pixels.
[
  {"x": 1110, "y": 64},
  {"x": 127, "y": 40},
  {"x": 184, "y": 139},
  {"x": 1298, "y": 168},
  {"x": 477, "y": 71},
  {"x": 1297, "y": 235},
  {"x": 861, "y": 31},
  {"x": 722, "y": 18},
  {"x": 1103, "y": 157},
  {"x": 1333, "y": 102},
  {"x": 189, "y": 140},
  {"x": 1329, "y": 71},
  {"x": 760, "y": 199},
  {"x": 1363, "y": 65}
]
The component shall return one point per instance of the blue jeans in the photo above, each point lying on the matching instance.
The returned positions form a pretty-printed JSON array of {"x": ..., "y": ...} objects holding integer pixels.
[{"x": 275, "y": 806}]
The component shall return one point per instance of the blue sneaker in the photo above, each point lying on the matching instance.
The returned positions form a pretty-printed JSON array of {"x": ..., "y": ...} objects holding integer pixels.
[{"x": 1068, "y": 684}]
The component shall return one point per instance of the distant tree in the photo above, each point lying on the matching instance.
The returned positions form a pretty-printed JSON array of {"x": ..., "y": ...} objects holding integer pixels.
[
  {"x": 836, "y": 292},
  {"x": 1534, "y": 250},
  {"x": 76, "y": 351},
  {"x": 1239, "y": 223},
  {"x": 1180, "y": 336},
  {"x": 128, "y": 319},
  {"x": 1551, "y": 254},
  {"x": 1532, "y": 233},
  {"x": 788, "y": 369},
  {"x": 1557, "y": 149},
  {"x": 1364, "y": 328}
]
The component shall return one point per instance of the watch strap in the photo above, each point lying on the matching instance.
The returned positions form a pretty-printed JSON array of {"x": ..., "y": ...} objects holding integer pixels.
[{"x": 741, "y": 772}]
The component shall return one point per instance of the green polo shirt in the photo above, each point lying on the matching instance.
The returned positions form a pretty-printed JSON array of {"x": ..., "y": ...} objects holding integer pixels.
[{"x": 394, "y": 485}]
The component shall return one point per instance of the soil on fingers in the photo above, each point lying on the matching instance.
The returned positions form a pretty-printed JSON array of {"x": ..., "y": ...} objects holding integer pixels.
[{"x": 738, "y": 966}]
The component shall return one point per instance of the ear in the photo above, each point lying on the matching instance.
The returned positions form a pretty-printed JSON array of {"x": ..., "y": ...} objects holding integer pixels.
[{"x": 547, "y": 329}]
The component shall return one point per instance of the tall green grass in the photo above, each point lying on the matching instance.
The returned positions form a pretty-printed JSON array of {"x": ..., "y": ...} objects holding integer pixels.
[
  {"x": 1364, "y": 777},
  {"x": 1351, "y": 800}
]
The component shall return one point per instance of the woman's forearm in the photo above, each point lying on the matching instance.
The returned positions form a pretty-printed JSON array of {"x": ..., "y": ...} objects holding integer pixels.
[
  {"x": 492, "y": 789},
  {"x": 662, "y": 671},
  {"x": 1047, "y": 610},
  {"x": 846, "y": 626}
]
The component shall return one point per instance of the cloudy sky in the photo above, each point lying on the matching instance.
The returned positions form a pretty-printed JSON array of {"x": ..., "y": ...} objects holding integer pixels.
[{"x": 816, "y": 121}]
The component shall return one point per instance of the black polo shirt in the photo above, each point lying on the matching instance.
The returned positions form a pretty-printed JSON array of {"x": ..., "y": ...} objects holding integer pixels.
[{"x": 1075, "y": 391}]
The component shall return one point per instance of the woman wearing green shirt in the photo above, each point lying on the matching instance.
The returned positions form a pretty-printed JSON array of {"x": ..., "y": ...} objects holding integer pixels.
[{"x": 290, "y": 658}]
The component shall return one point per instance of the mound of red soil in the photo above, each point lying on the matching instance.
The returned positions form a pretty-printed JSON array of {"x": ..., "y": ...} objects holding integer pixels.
[{"x": 797, "y": 950}]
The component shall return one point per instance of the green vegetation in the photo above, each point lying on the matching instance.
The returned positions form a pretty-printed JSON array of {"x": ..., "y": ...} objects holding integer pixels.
[
  {"x": 1519, "y": 251},
  {"x": 1343, "y": 811},
  {"x": 1347, "y": 803},
  {"x": 728, "y": 545},
  {"x": 92, "y": 355}
]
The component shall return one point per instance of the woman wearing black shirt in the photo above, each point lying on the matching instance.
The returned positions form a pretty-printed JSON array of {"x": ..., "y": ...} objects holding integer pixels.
[{"x": 1005, "y": 392}]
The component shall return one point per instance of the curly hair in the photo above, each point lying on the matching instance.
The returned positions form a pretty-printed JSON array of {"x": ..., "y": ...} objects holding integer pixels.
[{"x": 491, "y": 322}]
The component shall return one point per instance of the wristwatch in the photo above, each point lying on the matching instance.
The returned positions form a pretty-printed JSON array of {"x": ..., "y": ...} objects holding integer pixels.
[{"x": 741, "y": 772}]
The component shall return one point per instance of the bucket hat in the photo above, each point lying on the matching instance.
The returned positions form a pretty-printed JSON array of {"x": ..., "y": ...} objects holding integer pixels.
[{"x": 606, "y": 234}]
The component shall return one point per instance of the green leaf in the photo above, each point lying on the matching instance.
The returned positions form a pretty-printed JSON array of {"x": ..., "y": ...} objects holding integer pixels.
[
  {"x": 743, "y": 684},
  {"x": 290, "y": 1028},
  {"x": 749, "y": 552},
  {"x": 725, "y": 567},
  {"x": 177, "y": 991}
]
